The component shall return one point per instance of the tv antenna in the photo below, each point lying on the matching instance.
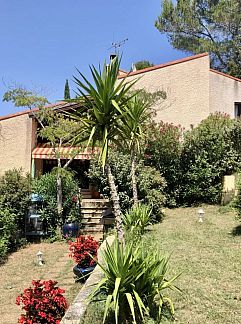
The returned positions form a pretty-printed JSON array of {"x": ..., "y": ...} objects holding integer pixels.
[{"x": 117, "y": 45}]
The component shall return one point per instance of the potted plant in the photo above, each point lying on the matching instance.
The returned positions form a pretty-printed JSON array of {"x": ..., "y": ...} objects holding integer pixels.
[{"x": 84, "y": 253}]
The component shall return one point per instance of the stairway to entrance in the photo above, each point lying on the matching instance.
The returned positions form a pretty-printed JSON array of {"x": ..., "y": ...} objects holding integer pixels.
[{"x": 92, "y": 210}]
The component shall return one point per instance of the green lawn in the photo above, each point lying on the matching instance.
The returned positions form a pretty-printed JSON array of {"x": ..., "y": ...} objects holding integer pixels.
[{"x": 209, "y": 257}]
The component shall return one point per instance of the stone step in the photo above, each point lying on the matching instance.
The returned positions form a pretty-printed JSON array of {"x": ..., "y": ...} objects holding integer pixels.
[
  {"x": 86, "y": 196},
  {"x": 93, "y": 205},
  {"x": 92, "y": 210},
  {"x": 91, "y": 216},
  {"x": 89, "y": 212},
  {"x": 91, "y": 227},
  {"x": 91, "y": 222},
  {"x": 91, "y": 230},
  {"x": 95, "y": 200}
]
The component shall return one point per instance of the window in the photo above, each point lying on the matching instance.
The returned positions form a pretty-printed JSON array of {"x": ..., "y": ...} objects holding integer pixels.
[{"x": 237, "y": 109}]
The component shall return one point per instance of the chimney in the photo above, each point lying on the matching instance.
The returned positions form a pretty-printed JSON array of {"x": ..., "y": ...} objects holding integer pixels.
[
  {"x": 112, "y": 57},
  {"x": 133, "y": 67}
]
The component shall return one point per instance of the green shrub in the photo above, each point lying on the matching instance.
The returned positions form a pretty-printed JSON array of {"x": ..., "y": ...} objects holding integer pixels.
[
  {"x": 8, "y": 232},
  {"x": 137, "y": 218},
  {"x": 194, "y": 162},
  {"x": 149, "y": 181},
  {"x": 208, "y": 154},
  {"x": 152, "y": 187},
  {"x": 3, "y": 249},
  {"x": 134, "y": 282},
  {"x": 14, "y": 202},
  {"x": 236, "y": 202},
  {"x": 235, "y": 135},
  {"x": 14, "y": 195},
  {"x": 45, "y": 186},
  {"x": 162, "y": 151}
]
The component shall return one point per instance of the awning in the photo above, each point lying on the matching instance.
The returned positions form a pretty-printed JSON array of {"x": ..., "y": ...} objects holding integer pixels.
[{"x": 45, "y": 151}]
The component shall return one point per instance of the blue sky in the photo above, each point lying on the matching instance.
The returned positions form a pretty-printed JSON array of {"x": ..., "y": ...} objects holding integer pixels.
[{"x": 42, "y": 42}]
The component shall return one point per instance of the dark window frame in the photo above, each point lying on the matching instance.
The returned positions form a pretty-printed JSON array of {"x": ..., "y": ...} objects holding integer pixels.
[{"x": 237, "y": 109}]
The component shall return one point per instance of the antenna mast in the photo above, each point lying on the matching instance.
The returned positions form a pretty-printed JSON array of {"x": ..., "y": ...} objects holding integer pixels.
[{"x": 118, "y": 44}]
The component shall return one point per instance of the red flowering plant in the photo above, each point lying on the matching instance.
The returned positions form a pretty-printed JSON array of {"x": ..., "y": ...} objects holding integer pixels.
[
  {"x": 43, "y": 303},
  {"x": 84, "y": 251}
]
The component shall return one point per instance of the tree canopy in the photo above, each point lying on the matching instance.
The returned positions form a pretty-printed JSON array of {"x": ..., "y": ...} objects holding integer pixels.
[
  {"x": 143, "y": 64},
  {"x": 197, "y": 26},
  {"x": 66, "y": 90},
  {"x": 22, "y": 97}
]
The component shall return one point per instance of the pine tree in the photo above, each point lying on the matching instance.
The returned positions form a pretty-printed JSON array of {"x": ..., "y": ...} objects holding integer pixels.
[
  {"x": 212, "y": 26},
  {"x": 143, "y": 64},
  {"x": 66, "y": 90}
]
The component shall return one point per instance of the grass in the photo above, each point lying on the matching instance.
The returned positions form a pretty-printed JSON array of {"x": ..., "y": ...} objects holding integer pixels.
[
  {"x": 20, "y": 269},
  {"x": 208, "y": 255}
]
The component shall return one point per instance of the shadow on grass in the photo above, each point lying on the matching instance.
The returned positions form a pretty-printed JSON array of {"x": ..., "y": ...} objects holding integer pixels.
[{"x": 236, "y": 231}]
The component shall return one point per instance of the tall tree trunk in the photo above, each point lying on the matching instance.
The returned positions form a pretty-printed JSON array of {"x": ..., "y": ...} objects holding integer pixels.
[
  {"x": 59, "y": 197},
  {"x": 116, "y": 203},
  {"x": 133, "y": 177}
]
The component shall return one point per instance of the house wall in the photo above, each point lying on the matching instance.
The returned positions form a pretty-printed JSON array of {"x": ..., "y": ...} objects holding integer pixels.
[
  {"x": 17, "y": 139},
  {"x": 187, "y": 88},
  {"x": 224, "y": 92}
]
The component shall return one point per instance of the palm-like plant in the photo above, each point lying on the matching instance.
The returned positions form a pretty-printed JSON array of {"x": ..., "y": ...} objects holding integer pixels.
[
  {"x": 103, "y": 110},
  {"x": 139, "y": 113},
  {"x": 137, "y": 218},
  {"x": 134, "y": 281}
]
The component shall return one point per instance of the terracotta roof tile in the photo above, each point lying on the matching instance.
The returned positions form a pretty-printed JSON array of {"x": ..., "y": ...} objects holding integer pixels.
[
  {"x": 225, "y": 75},
  {"x": 29, "y": 111},
  {"x": 156, "y": 67}
]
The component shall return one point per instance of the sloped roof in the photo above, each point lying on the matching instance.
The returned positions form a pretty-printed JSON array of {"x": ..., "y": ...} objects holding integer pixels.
[
  {"x": 58, "y": 105},
  {"x": 183, "y": 60},
  {"x": 225, "y": 75},
  {"x": 160, "y": 66},
  {"x": 63, "y": 105}
]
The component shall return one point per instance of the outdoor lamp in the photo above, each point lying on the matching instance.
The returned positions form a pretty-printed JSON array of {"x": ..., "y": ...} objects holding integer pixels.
[
  {"x": 201, "y": 214},
  {"x": 40, "y": 258}
]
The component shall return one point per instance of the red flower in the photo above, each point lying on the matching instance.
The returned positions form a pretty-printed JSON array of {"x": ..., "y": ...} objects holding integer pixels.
[
  {"x": 84, "y": 250},
  {"x": 43, "y": 303}
]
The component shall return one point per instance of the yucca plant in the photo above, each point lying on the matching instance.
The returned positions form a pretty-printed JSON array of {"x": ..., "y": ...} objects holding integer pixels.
[
  {"x": 134, "y": 282},
  {"x": 103, "y": 110},
  {"x": 139, "y": 113},
  {"x": 137, "y": 218}
]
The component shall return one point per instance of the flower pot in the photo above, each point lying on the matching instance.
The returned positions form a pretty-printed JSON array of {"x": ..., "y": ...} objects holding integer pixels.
[
  {"x": 71, "y": 229},
  {"x": 82, "y": 272}
]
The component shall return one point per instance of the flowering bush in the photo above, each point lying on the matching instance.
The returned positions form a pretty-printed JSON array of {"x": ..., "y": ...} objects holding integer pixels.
[
  {"x": 162, "y": 151},
  {"x": 82, "y": 248},
  {"x": 43, "y": 303}
]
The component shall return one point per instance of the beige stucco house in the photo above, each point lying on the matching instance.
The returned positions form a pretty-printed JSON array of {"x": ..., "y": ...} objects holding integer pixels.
[
  {"x": 20, "y": 147},
  {"x": 193, "y": 92}
]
